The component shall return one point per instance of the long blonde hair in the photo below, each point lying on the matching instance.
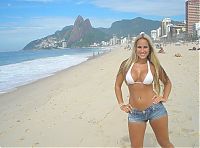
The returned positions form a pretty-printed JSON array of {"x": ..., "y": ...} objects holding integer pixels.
[{"x": 151, "y": 57}]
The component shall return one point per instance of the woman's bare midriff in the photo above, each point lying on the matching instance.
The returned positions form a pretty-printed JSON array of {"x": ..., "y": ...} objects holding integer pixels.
[{"x": 141, "y": 96}]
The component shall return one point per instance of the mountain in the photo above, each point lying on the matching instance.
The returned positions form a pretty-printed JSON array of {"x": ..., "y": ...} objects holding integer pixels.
[
  {"x": 80, "y": 29},
  {"x": 83, "y": 34},
  {"x": 80, "y": 34},
  {"x": 132, "y": 27}
]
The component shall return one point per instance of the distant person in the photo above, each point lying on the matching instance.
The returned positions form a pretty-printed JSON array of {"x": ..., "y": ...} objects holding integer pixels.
[
  {"x": 142, "y": 72},
  {"x": 161, "y": 50}
]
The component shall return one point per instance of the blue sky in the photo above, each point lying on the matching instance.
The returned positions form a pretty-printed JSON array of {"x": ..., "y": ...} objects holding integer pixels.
[{"x": 22, "y": 21}]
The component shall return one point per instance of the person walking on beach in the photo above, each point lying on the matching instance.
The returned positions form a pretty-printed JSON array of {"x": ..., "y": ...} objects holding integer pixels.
[{"x": 142, "y": 73}]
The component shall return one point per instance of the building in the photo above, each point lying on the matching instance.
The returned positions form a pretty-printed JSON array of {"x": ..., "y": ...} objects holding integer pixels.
[
  {"x": 124, "y": 40},
  {"x": 153, "y": 34},
  {"x": 177, "y": 31},
  {"x": 158, "y": 32},
  {"x": 64, "y": 44},
  {"x": 114, "y": 40},
  {"x": 196, "y": 29},
  {"x": 165, "y": 24},
  {"x": 192, "y": 14}
]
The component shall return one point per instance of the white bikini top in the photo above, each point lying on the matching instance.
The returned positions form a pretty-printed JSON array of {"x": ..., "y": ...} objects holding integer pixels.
[{"x": 147, "y": 80}]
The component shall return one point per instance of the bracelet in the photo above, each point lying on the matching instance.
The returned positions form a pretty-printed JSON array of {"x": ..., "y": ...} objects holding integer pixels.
[{"x": 121, "y": 104}]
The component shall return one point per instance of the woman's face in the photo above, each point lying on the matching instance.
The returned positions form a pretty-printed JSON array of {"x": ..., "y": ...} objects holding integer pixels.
[{"x": 142, "y": 49}]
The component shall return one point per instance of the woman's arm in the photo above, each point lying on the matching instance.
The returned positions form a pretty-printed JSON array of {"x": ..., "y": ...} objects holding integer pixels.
[
  {"x": 167, "y": 84},
  {"x": 167, "y": 87},
  {"x": 118, "y": 85},
  {"x": 118, "y": 90},
  {"x": 167, "y": 90}
]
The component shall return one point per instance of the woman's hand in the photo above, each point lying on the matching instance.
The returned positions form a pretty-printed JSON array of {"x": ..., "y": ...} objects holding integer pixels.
[
  {"x": 156, "y": 99},
  {"x": 126, "y": 108}
]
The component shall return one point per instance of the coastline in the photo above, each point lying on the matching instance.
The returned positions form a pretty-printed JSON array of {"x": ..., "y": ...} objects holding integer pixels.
[
  {"x": 24, "y": 77},
  {"x": 77, "y": 106}
]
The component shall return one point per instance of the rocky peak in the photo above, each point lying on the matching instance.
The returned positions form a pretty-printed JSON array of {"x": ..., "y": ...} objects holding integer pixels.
[
  {"x": 80, "y": 28},
  {"x": 79, "y": 21},
  {"x": 87, "y": 23}
]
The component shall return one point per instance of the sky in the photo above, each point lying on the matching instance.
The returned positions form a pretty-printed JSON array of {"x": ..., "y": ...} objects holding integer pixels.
[{"x": 22, "y": 21}]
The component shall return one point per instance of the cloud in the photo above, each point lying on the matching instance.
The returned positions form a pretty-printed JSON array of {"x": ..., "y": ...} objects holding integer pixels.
[
  {"x": 48, "y": 24},
  {"x": 51, "y": 21},
  {"x": 79, "y": 2},
  {"x": 101, "y": 22},
  {"x": 43, "y": 1},
  {"x": 15, "y": 35},
  {"x": 144, "y": 7},
  {"x": 41, "y": 22}
]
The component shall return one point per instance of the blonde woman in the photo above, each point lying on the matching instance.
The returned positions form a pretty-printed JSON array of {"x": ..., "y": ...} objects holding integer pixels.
[{"x": 143, "y": 73}]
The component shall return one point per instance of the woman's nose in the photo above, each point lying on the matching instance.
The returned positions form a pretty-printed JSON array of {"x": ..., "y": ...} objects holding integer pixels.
[{"x": 142, "y": 49}]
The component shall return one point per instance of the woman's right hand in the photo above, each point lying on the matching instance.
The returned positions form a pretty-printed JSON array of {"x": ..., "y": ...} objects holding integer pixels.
[{"x": 126, "y": 108}]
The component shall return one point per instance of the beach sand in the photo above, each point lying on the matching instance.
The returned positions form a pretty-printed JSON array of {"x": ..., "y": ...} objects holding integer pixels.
[{"x": 77, "y": 107}]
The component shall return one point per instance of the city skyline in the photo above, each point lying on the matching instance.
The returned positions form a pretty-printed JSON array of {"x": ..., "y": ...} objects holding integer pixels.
[{"x": 25, "y": 20}]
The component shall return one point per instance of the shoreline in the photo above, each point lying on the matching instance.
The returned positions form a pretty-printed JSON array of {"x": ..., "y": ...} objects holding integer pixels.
[
  {"x": 78, "y": 107},
  {"x": 99, "y": 53},
  {"x": 17, "y": 90}
]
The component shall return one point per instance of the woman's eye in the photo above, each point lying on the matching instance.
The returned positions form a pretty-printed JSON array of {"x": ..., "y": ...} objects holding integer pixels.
[{"x": 141, "y": 46}]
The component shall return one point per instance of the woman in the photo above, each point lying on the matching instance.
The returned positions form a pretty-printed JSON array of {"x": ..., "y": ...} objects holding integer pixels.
[{"x": 142, "y": 73}]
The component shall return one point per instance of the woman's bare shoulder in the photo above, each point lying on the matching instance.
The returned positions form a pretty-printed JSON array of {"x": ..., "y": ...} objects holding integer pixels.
[
  {"x": 152, "y": 67},
  {"x": 121, "y": 68},
  {"x": 124, "y": 62}
]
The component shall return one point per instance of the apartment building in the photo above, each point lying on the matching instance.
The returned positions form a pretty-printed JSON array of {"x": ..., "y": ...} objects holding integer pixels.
[{"x": 192, "y": 14}]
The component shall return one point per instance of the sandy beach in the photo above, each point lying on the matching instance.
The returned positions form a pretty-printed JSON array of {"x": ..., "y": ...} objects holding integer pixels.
[{"x": 77, "y": 107}]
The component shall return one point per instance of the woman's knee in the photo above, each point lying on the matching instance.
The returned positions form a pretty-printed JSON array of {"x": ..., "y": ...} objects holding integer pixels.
[{"x": 166, "y": 144}]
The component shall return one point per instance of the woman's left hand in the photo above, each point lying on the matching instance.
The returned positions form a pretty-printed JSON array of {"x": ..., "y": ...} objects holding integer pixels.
[{"x": 156, "y": 99}]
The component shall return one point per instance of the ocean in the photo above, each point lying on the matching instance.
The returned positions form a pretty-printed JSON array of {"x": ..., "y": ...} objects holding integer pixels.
[{"x": 21, "y": 67}]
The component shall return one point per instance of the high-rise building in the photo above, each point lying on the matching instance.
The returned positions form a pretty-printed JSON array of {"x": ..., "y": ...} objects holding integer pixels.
[
  {"x": 192, "y": 14},
  {"x": 165, "y": 26},
  {"x": 154, "y": 34},
  {"x": 158, "y": 32}
]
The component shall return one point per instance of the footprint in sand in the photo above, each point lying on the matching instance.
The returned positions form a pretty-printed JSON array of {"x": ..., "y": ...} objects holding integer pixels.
[
  {"x": 21, "y": 139},
  {"x": 27, "y": 130},
  {"x": 175, "y": 111},
  {"x": 36, "y": 143},
  {"x": 195, "y": 133},
  {"x": 1, "y": 133},
  {"x": 187, "y": 130},
  {"x": 92, "y": 121},
  {"x": 124, "y": 142},
  {"x": 80, "y": 117}
]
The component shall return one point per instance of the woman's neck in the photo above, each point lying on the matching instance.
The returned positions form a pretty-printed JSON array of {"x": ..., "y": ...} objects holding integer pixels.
[{"x": 141, "y": 61}]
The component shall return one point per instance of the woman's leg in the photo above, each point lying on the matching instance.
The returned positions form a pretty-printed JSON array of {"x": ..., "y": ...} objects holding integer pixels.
[
  {"x": 160, "y": 128},
  {"x": 136, "y": 133}
]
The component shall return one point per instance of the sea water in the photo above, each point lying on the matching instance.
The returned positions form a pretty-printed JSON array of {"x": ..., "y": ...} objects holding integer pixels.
[{"x": 18, "y": 68}]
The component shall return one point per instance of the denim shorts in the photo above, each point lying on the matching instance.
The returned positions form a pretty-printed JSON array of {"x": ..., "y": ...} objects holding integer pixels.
[{"x": 153, "y": 112}]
